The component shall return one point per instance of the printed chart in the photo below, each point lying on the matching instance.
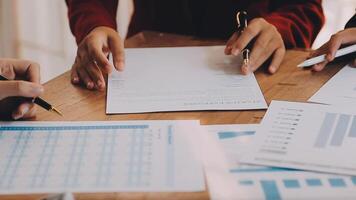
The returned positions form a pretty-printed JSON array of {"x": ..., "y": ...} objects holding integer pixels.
[
  {"x": 98, "y": 156},
  {"x": 306, "y": 136},
  {"x": 270, "y": 183}
]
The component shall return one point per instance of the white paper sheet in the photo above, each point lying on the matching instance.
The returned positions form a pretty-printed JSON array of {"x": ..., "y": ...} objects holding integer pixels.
[
  {"x": 306, "y": 136},
  {"x": 228, "y": 179},
  {"x": 183, "y": 78},
  {"x": 99, "y": 157},
  {"x": 339, "y": 90}
]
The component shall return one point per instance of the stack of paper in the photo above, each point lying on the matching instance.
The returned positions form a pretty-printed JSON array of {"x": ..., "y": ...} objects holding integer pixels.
[{"x": 229, "y": 179}]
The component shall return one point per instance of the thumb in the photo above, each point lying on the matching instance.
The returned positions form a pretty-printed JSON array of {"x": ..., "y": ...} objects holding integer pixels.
[
  {"x": 20, "y": 88},
  {"x": 116, "y": 46}
]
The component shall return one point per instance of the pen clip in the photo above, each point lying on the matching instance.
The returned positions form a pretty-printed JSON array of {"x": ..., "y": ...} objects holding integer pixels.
[{"x": 241, "y": 19}]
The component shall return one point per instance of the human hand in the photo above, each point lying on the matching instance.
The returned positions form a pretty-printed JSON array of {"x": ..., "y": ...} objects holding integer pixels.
[
  {"x": 347, "y": 36},
  {"x": 267, "y": 43},
  {"x": 24, "y": 81},
  {"x": 92, "y": 63}
]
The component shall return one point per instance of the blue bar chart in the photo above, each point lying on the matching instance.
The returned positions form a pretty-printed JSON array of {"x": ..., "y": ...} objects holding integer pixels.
[{"x": 275, "y": 183}]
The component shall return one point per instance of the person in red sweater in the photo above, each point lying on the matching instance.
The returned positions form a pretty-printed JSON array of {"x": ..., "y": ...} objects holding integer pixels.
[{"x": 274, "y": 25}]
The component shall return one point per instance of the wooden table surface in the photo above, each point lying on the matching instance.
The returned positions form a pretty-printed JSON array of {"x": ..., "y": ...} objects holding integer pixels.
[{"x": 78, "y": 104}]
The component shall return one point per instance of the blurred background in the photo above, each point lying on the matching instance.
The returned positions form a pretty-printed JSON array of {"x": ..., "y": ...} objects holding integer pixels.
[{"x": 38, "y": 30}]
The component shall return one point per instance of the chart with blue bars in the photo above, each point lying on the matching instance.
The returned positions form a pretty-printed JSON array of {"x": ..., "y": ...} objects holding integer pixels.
[
  {"x": 335, "y": 129},
  {"x": 40, "y": 157},
  {"x": 272, "y": 183}
]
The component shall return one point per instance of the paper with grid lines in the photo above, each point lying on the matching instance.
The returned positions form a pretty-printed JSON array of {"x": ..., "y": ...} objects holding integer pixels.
[{"x": 51, "y": 157}]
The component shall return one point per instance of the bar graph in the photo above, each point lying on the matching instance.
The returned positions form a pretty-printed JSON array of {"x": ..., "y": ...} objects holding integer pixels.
[
  {"x": 232, "y": 134},
  {"x": 352, "y": 132},
  {"x": 274, "y": 183},
  {"x": 335, "y": 129},
  {"x": 303, "y": 136}
]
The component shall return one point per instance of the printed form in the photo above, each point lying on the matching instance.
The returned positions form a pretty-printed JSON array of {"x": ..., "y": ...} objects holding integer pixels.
[
  {"x": 182, "y": 79},
  {"x": 56, "y": 157}
]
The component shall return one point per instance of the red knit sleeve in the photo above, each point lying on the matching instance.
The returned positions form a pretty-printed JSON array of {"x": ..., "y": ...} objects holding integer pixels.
[
  {"x": 85, "y": 15},
  {"x": 298, "y": 21}
]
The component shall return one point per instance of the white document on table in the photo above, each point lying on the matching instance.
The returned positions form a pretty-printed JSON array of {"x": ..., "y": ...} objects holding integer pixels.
[
  {"x": 228, "y": 179},
  {"x": 306, "y": 136},
  {"x": 182, "y": 79},
  {"x": 142, "y": 156},
  {"x": 339, "y": 90}
]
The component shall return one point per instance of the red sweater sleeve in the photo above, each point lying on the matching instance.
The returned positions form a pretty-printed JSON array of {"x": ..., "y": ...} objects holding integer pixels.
[
  {"x": 85, "y": 15},
  {"x": 298, "y": 21}
]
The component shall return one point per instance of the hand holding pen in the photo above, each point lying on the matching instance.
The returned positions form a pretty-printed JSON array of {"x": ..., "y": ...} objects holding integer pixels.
[
  {"x": 19, "y": 94},
  {"x": 266, "y": 42}
]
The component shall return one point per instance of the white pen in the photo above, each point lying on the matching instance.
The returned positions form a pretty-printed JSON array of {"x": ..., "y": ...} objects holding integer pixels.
[{"x": 321, "y": 58}]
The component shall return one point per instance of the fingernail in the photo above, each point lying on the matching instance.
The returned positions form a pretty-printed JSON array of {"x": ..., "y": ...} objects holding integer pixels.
[
  {"x": 235, "y": 52},
  {"x": 16, "y": 116},
  {"x": 227, "y": 49},
  {"x": 75, "y": 80},
  {"x": 120, "y": 65},
  {"x": 329, "y": 57},
  {"x": 245, "y": 69},
  {"x": 272, "y": 69},
  {"x": 19, "y": 114},
  {"x": 90, "y": 85},
  {"x": 100, "y": 84},
  {"x": 25, "y": 110}
]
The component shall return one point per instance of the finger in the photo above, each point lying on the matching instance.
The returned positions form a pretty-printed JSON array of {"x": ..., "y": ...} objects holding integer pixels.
[
  {"x": 261, "y": 51},
  {"x": 320, "y": 51},
  {"x": 95, "y": 51},
  {"x": 84, "y": 76},
  {"x": 24, "y": 69},
  {"x": 22, "y": 110},
  {"x": 20, "y": 88},
  {"x": 320, "y": 66},
  {"x": 31, "y": 113},
  {"x": 276, "y": 60},
  {"x": 33, "y": 72},
  {"x": 74, "y": 76},
  {"x": 96, "y": 75},
  {"x": 229, "y": 44},
  {"x": 117, "y": 48},
  {"x": 246, "y": 36},
  {"x": 334, "y": 45}
]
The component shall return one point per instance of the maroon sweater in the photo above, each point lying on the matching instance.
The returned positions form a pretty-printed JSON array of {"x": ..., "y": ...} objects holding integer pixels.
[{"x": 298, "y": 21}]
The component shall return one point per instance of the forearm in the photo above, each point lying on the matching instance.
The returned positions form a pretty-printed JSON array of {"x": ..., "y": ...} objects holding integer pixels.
[
  {"x": 85, "y": 15},
  {"x": 298, "y": 21}
]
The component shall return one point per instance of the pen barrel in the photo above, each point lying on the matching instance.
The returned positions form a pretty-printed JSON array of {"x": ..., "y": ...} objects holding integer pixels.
[{"x": 42, "y": 103}]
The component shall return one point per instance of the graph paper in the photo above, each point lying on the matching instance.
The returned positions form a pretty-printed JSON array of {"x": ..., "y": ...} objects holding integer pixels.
[{"x": 98, "y": 156}]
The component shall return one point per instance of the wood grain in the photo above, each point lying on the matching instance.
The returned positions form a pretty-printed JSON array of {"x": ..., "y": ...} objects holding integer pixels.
[{"x": 79, "y": 104}]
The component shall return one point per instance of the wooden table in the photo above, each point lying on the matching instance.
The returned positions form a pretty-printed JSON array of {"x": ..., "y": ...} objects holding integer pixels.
[{"x": 78, "y": 104}]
